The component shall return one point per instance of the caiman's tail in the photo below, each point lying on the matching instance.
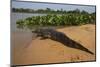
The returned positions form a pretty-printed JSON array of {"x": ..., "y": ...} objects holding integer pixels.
[{"x": 74, "y": 44}]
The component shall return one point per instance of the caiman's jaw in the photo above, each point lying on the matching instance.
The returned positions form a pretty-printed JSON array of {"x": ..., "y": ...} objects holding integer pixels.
[{"x": 35, "y": 31}]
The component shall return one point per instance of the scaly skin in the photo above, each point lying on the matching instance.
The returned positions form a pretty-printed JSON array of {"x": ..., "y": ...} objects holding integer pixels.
[{"x": 60, "y": 37}]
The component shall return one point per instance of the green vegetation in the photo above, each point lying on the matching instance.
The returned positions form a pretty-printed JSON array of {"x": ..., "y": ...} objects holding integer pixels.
[
  {"x": 57, "y": 18},
  {"x": 47, "y": 11}
]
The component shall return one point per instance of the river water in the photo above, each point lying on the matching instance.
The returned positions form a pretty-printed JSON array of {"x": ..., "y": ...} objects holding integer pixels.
[
  {"x": 16, "y": 16},
  {"x": 18, "y": 36}
]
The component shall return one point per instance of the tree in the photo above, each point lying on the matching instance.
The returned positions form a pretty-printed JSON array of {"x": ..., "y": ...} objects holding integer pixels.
[{"x": 84, "y": 12}]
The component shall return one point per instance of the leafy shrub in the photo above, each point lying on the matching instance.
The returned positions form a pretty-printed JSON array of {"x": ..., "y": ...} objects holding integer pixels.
[{"x": 56, "y": 20}]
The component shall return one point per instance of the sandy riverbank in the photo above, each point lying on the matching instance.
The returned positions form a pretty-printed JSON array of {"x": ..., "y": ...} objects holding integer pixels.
[{"x": 28, "y": 51}]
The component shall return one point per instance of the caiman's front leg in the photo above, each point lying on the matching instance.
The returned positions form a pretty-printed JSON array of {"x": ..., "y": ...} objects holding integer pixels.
[{"x": 42, "y": 38}]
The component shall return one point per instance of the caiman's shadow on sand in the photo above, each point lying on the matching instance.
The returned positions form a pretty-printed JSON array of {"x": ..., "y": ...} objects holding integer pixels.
[{"x": 60, "y": 37}]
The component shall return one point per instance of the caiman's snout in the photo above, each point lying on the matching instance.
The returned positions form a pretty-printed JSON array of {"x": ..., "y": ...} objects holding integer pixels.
[{"x": 34, "y": 31}]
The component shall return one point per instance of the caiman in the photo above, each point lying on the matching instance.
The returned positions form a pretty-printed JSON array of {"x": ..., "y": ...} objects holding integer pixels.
[{"x": 60, "y": 37}]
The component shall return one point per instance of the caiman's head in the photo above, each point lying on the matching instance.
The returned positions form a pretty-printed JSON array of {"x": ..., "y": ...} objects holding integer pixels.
[
  {"x": 42, "y": 32},
  {"x": 36, "y": 31}
]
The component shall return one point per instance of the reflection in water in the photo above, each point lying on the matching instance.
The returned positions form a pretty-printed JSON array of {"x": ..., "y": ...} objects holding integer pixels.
[
  {"x": 17, "y": 16},
  {"x": 20, "y": 36}
]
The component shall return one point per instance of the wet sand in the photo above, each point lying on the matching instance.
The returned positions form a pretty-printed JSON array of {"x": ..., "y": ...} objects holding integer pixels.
[{"x": 28, "y": 51}]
